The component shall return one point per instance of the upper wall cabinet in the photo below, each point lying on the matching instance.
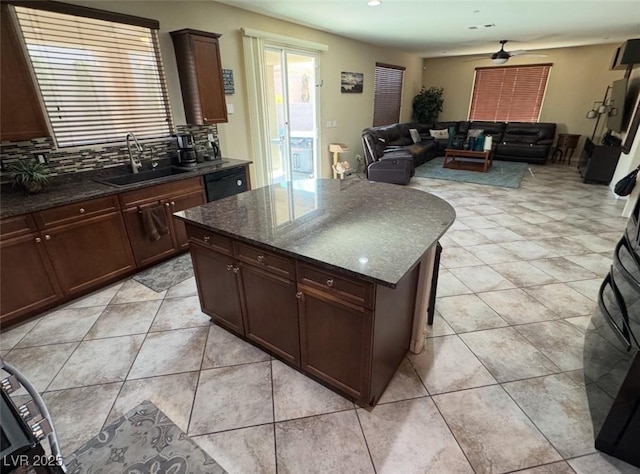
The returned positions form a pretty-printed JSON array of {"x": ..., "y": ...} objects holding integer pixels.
[
  {"x": 200, "y": 70},
  {"x": 21, "y": 114}
]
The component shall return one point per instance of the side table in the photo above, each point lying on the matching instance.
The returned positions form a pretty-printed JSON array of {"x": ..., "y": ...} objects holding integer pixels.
[{"x": 565, "y": 146}]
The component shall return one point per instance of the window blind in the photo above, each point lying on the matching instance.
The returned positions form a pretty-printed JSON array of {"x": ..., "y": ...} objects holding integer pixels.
[
  {"x": 387, "y": 92},
  {"x": 509, "y": 94},
  {"x": 98, "y": 79}
]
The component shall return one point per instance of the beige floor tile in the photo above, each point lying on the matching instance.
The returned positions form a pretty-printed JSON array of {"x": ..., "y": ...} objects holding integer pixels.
[
  {"x": 492, "y": 254},
  {"x": 563, "y": 269},
  {"x": 517, "y": 307},
  {"x": 600, "y": 463},
  {"x": 133, "y": 291},
  {"x": 581, "y": 322},
  {"x": 499, "y": 234},
  {"x": 232, "y": 397},
  {"x": 404, "y": 384},
  {"x": 185, "y": 288},
  {"x": 467, "y": 237},
  {"x": 446, "y": 364},
  {"x": 533, "y": 231},
  {"x": 588, "y": 288},
  {"x": 527, "y": 250},
  {"x": 594, "y": 243},
  {"x": 439, "y": 327},
  {"x": 98, "y": 361},
  {"x": 245, "y": 450},
  {"x": 559, "y": 408},
  {"x": 322, "y": 444},
  {"x": 170, "y": 352},
  {"x": 297, "y": 396},
  {"x": 560, "y": 341},
  {"x": 478, "y": 222},
  {"x": 98, "y": 298},
  {"x": 454, "y": 257},
  {"x": 494, "y": 433},
  {"x": 563, "y": 300},
  {"x": 124, "y": 319},
  {"x": 178, "y": 313},
  {"x": 523, "y": 274},
  {"x": 552, "y": 468},
  {"x": 562, "y": 246},
  {"x": 411, "y": 436},
  {"x": 507, "y": 220},
  {"x": 224, "y": 349},
  {"x": 593, "y": 262},
  {"x": 468, "y": 313},
  {"x": 449, "y": 285},
  {"x": 9, "y": 338},
  {"x": 484, "y": 278},
  {"x": 63, "y": 325},
  {"x": 172, "y": 394},
  {"x": 507, "y": 354}
]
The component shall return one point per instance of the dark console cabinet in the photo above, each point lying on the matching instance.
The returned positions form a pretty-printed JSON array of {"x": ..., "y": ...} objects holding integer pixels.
[{"x": 598, "y": 162}]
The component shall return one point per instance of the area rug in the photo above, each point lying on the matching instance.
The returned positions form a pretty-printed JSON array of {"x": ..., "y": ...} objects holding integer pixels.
[
  {"x": 145, "y": 440},
  {"x": 167, "y": 274},
  {"x": 506, "y": 174}
]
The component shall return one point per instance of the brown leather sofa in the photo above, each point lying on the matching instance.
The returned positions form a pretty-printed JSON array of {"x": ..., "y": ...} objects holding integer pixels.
[{"x": 512, "y": 141}]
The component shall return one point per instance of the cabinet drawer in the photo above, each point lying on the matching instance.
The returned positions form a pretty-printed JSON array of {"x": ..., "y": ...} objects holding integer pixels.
[
  {"x": 210, "y": 239},
  {"x": 160, "y": 191},
  {"x": 266, "y": 260},
  {"x": 75, "y": 212},
  {"x": 347, "y": 288},
  {"x": 16, "y": 226}
]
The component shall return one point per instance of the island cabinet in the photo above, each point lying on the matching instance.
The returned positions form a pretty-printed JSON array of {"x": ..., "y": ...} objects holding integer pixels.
[
  {"x": 349, "y": 333},
  {"x": 171, "y": 197},
  {"x": 200, "y": 71}
]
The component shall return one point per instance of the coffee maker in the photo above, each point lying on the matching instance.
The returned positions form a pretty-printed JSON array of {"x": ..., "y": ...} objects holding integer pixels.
[{"x": 186, "y": 149}]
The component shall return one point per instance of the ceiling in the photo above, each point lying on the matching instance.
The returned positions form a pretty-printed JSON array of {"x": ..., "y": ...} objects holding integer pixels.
[{"x": 437, "y": 28}]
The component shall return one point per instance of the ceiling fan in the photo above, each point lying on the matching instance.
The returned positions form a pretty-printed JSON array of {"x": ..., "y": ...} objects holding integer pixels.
[{"x": 502, "y": 56}]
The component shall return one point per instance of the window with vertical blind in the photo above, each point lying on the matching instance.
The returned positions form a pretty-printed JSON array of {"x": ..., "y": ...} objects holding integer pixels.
[
  {"x": 99, "y": 78},
  {"x": 387, "y": 92},
  {"x": 509, "y": 93}
]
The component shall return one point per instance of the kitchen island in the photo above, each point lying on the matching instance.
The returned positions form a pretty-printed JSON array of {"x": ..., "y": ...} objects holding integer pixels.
[{"x": 331, "y": 276}]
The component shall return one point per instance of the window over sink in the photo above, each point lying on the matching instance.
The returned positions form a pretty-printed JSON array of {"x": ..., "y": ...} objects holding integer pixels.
[{"x": 100, "y": 74}]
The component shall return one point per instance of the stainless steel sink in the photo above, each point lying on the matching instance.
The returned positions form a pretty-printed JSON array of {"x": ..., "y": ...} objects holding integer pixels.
[{"x": 126, "y": 179}]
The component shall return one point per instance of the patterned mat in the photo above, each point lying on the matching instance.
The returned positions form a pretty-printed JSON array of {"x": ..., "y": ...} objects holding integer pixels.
[
  {"x": 167, "y": 274},
  {"x": 145, "y": 440},
  {"x": 506, "y": 174}
]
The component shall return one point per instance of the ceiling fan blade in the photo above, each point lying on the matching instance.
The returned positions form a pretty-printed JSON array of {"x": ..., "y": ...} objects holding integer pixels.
[
  {"x": 517, "y": 52},
  {"x": 532, "y": 55},
  {"x": 476, "y": 59}
]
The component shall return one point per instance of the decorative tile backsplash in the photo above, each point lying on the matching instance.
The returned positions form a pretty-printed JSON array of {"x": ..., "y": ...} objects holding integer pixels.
[{"x": 78, "y": 159}]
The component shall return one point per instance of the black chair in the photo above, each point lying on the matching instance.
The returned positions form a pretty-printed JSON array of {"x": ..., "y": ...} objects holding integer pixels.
[{"x": 394, "y": 166}]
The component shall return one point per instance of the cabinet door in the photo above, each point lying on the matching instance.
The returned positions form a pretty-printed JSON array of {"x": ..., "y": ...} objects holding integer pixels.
[
  {"x": 271, "y": 312},
  {"x": 218, "y": 287},
  {"x": 27, "y": 281},
  {"x": 89, "y": 252},
  {"x": 21, "y": 116},
  {"x": 208, "y": 69},
  {"x": 145, "y": 250},
  {"x": 335, "y": 341},
  {"x": 180, "y": 203}
]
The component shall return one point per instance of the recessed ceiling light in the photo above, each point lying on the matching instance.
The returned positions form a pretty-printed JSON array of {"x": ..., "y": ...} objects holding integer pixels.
[
  {"x": 374, "y": 3},
  {"x": 476, "y": 11}
]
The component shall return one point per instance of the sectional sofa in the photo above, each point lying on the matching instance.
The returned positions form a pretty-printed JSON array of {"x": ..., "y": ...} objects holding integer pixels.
[{"x": 512, "y": 141}]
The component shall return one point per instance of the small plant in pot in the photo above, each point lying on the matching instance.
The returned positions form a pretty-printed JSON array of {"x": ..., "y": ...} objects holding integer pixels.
[
  {"x": 428, "y": 104},
  {"x": 30, "y": 175}
]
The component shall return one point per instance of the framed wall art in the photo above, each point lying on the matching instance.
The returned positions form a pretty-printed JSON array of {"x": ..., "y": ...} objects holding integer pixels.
[{"x": 351, "y": 82}]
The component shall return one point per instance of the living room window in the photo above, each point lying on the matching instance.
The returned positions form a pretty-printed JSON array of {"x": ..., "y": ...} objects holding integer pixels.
[
  {"x": 100, "y": 74},
  {"x": 509, "y": 94},
  {"x": 387, "y": 92}
]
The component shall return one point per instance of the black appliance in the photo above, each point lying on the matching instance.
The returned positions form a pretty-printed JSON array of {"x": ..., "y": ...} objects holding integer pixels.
[
  {"x": 186, "y": 149},
  {"x": 225, "y": 183},
  {"x": 612, "y": 352}
]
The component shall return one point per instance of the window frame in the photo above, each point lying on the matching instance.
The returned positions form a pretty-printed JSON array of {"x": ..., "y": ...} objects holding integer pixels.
[
  {"x": 96, "y": 139},
  {"x": 497, "y": 118}
]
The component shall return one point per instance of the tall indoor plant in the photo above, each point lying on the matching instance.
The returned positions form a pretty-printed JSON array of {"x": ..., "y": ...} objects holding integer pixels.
[{"x": 428, "y": 104}]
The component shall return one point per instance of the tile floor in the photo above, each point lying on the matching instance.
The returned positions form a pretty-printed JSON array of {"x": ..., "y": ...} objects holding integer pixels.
[{"x": 498, "y": 387}]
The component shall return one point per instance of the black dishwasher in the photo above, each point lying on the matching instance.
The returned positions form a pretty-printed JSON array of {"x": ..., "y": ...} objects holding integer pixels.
[{"x": 222, "y": 184}]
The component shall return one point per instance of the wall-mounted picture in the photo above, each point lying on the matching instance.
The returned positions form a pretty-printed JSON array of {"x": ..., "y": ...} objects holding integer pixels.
[{"x": 351, "y": 81}]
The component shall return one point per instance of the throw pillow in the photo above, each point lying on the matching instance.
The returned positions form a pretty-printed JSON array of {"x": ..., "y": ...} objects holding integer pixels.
[
  {"x": 440, "y": 134},
  {"x": 474, "y": 132},
  {"x": 415, "y": 135}
]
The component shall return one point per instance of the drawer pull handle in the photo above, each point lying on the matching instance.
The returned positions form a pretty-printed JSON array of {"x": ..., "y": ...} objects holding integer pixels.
[
  {"x": 173, "y": 203},
  {"x": 82, "y": 211},
  {"x": 260, "y": 258},
  {"x": 330, "y": 282},
  {"x": 206, "y": 238},
  {"x": 166, "y": 204},
  {"x": 47, "y": 237},
  {"x": 38, "y": 239},
  {"x": 229, "y": 267},
  {"x": 236, "y": 269},
  {"x": 299, "y": 294}
]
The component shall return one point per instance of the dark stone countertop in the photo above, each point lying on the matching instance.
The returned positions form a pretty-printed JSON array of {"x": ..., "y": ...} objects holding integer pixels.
[
  {"x": 75, "y": 187},
  {"x": 375, "y": 231}
]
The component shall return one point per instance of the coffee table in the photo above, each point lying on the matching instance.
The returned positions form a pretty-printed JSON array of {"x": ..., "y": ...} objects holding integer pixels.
[{"x": 468, "y": 160}]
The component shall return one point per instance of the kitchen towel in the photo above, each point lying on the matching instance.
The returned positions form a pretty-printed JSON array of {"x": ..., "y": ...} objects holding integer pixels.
[{"x": 154, "y": 222}]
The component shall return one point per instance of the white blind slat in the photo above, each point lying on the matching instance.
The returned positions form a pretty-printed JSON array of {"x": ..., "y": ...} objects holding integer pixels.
[{"x": 98, "y": 79}]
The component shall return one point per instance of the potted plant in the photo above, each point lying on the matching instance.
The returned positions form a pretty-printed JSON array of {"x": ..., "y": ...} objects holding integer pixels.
[
  {"x": 428, "y": 104},
  {"x": 30, "y": 175}
]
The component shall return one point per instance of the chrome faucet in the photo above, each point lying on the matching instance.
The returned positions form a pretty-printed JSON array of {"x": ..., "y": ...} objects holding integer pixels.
[{"x": 135, "y": 163}]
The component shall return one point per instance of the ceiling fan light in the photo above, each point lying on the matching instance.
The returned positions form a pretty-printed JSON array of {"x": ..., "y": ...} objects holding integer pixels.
[
  {"x": 499, "y": 60},
  {"x": 374, "y": 3}
]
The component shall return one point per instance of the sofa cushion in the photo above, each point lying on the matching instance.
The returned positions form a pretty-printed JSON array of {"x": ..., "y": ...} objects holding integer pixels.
[
  {"x": 495, "y": 129},
  {"x": 475, "y": 132},
  {"x": 524, "y": 150},
  {"x": 415, "y": 135},
  {"x": 440, "y": 134}
]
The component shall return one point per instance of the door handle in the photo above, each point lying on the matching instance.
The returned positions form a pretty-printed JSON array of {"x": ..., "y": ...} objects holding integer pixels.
[{"x": 229, "y": 267}]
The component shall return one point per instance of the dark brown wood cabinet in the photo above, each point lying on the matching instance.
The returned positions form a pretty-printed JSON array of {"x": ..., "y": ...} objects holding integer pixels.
[
  {"x": 200, "y": 71},
  {"x": 27, "y": 279},
  {"x": 172, "y": 197},
  {"x": 21, "y": 115}
]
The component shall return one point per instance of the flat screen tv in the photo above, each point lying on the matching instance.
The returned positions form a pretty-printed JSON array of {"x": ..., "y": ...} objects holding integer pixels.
[{"x": 616, "y": 117}]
